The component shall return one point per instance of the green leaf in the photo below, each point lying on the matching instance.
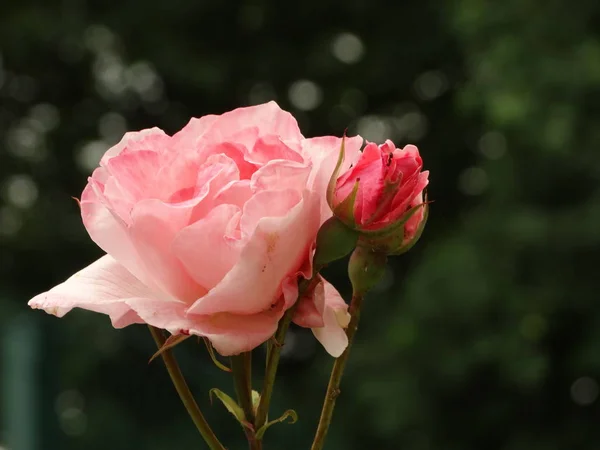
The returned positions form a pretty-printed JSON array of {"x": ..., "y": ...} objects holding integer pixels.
[
  {"x": 231, "y": 406},
  {"x": 290, "y": 413},
  {"x": 171, "y": 342},
  {"x": 211, "y": 352}
]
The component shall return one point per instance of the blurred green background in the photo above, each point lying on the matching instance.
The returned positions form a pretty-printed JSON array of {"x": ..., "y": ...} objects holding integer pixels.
[{"x": 485, "y": 336}]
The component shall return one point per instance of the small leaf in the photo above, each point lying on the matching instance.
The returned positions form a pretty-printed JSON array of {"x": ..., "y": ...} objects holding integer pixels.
[
  {"x": 230, "y": 404},
  {"x": 255, "y": 400},
  {"x": 171, "y": 342},
  {"x": 211, "y": 352},
  {"x": 290, "y": 413}
]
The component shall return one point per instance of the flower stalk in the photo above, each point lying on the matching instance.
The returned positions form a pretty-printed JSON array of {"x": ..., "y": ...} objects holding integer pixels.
[
  {"x": 241, "y": 366},
  {"x": 333, "y": 388},
  {"x": 185, "y": 394}
]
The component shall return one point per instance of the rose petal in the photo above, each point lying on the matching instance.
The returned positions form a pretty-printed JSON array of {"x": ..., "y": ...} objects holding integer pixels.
[
  {"x": 103, "y": 286},
  {"x": 336, "y": 318},
  {"x": 148, "y": 139},
  {"x": 310, "y": 309},
  {"x": 278, "y": 246},
  {"x": 268, "y": 118},
  {"x": 153, "y": 230},
  {"x": 204, "y": 249},
  {"x": 230, "y": 334}
]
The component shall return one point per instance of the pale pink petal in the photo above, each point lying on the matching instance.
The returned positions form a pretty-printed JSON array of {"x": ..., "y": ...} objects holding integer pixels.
[
  {"x": 188, "y": 138},
  {"x": 234, "y": 193},
  {"x": 323, "y": 152},
  {"x": 111, "y": 234},
  {"x": 214, "y": 175},
  {"x": 267, "y": 204},
  {"x": 268, "y": 148},
  {"x": 204, "y": 247},
  {"x": 154, "y": 227},
  {"x": 136, "y": 172},
  {"x": 311, "y": 307},
  {"x": 230, "y": 334},
  {"x": 268, "y": 118},
  {"x": 237, "y": 153},
  {"x": 336, "y": 318},
  {"x": 148, "y": 139},
  {"x": 277, "y": 248},
  {"x": 281, "y": 174},
  {"x": 104, "y": 286}
]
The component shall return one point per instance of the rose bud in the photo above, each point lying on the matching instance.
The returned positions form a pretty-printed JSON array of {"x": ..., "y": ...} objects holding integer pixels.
[{"x": 381, "y": 197}]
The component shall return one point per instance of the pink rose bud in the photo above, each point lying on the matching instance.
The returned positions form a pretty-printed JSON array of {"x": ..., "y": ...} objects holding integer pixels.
[{"x": 382, "y": 197}]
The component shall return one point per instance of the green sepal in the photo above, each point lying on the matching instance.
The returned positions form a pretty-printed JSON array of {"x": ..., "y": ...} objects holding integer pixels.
[
  {"x": 397, "y": 225},
  {"x": 366, "y": 268},
  {"x": 231, "y": 405},
  {"x": 334, "y": 241},
  {"x": 345, "y": 209},
  {"x": 290, "y": 413},
  {"x": 334, "y": 176},
  {"x": 211, "y": 352},
  {"x": 415, "y": 238},
  {"x": 171, "y": 342}
]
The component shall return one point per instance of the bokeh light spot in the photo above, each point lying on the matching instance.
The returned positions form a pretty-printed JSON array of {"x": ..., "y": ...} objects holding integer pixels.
[
  {"x": 305, "y": 95},
  {"x": 348, "y": 48},
  {"x": 584, "y": 391}
]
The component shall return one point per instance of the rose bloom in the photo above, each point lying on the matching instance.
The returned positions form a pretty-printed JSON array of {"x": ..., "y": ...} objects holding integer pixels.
[
  {"x": 390, "y": 183},
  {"x": 207, "y": 231}
]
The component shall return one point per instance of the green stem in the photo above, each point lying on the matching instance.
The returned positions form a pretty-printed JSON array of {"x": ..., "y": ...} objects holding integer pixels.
[
  {"x": 333, "y": 389},
  {"x": 241, "y": 366},
  {"x": 185, "y": 394},
  {"x": 274, "y": 353},
  {"x": 271, "y": 370}
]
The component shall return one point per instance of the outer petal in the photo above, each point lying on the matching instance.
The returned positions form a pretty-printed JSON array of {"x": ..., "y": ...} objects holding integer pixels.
[
  {"x": 230, "y": 334},
  {"x": 336, "y": 318},
  {"x": 369, "y": 170},
  {"x": 311, "y": 307},
  {"x": 110, "y": 233},
  {"x": 148, "y": 139},
  {"x": 269, "y": 118},
  {"x": 104, "y": 286},
  {"x": 187, "y": 139},
  {"x": 277, "y": 248}
]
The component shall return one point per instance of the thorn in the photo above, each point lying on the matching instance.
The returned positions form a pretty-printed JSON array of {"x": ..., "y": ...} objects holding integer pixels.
[
  {"x": 335, "y": 394},
  {"x": 276, "y": 342}
]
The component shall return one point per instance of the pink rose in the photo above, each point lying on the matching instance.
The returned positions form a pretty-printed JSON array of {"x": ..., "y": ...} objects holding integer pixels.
[
  {"x": 389, "y": 182},
  {"x": 207, "y": 231}
]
